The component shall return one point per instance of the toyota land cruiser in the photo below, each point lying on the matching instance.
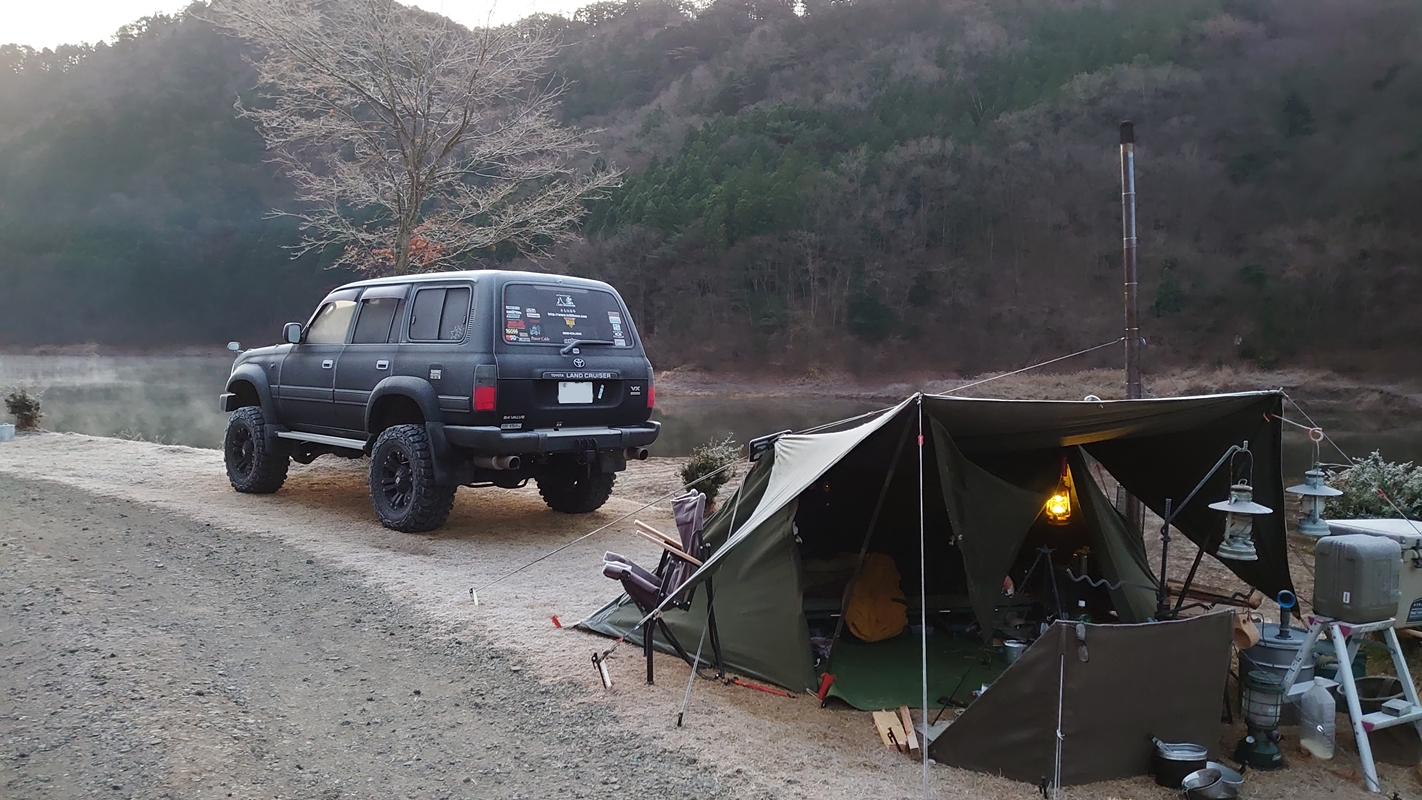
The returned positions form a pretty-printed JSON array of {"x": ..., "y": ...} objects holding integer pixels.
[{"x": 482, "y": 378}]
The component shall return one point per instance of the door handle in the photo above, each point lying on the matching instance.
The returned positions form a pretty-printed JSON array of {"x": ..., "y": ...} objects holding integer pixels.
[
  {"x": 327, "y": 364},
  {"x": 382, "y": 364}
]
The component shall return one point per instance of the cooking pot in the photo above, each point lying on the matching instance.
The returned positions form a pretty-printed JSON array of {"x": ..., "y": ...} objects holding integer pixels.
[
  {"x": 1174, "y": 761},
  {"x": 1207, "y": 784}
]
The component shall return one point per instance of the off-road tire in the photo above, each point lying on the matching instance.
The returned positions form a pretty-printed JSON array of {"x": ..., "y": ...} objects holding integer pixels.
[
  {"x": 254, "y": 464},
  {"x": 402, "y": 481},
  {"x": 575, "y": 489}
]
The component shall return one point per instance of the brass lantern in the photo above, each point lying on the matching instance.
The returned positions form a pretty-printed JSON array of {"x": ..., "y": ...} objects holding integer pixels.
[{"x": 1058, "y": 507}]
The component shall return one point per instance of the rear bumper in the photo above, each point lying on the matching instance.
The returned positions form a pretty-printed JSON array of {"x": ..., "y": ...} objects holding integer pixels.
[{"x": 493, "y": 441}]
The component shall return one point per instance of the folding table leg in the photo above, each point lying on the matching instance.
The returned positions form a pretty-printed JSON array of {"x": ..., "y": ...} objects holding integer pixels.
[
  {"x": 1399, "y": 663},
  {"x": 1355, "y": 711}
]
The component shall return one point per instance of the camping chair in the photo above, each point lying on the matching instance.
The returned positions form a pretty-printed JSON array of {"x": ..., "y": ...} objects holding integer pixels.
[{"x": 679, "y": 561}]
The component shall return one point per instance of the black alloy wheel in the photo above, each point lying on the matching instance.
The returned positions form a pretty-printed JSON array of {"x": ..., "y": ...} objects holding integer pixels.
[
  {"x": 254, "y": 464},
  {"x": 402, "y": 481}
]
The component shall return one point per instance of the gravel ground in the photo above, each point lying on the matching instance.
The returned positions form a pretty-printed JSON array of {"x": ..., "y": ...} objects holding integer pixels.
[
  {"x": 288, "y": 611},
  {"x": 147, "y": 655}
]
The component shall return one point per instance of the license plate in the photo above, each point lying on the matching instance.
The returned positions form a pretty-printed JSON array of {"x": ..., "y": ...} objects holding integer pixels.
[{"x": 575, "y": 392}]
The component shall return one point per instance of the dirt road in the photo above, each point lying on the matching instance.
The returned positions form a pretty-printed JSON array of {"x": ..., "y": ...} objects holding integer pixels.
[
  {"x": 204, "y": 642},
  {"x": 146, "y": 655}
]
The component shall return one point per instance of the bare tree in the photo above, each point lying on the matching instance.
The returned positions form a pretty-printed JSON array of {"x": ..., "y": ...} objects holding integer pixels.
[{"x": 412, "y": 140}]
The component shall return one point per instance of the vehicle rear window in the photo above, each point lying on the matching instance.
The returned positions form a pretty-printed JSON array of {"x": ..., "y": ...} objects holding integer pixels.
[
  {"x": 551, "y": 314},
  {"x": 377, "y": 317},
  {"x": 439, "y": 314}
]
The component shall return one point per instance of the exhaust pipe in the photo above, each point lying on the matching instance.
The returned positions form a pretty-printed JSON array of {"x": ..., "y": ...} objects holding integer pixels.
[
  {"x": 635, "y": 453},
  {"x": 497, "y": 462}
]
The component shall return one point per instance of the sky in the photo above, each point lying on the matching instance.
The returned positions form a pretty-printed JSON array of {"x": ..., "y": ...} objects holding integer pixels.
[{"x": 46, "y": 23}]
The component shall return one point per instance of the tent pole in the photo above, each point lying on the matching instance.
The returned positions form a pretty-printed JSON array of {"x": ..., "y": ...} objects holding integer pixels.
[
  {"x": 922, "y": 598},
  {"x": 864, "y": 548}
]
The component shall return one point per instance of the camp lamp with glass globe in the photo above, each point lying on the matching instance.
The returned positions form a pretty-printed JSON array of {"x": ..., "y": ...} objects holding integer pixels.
[
  {"x": 1313, "y": 494},
  {"x": 1263, "y": 702},
  {"x": 1240, "y": 510}
]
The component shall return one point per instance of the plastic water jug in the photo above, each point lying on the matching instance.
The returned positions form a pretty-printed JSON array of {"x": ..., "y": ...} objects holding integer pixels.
[{"x": 1316, "y": 717}]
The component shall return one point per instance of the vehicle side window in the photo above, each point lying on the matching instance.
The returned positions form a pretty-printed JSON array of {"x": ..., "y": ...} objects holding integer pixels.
[
  {"x": 377, "y": 319},
  {"x": 439, "y": 314},
  {"x": 331, "y": 323}
]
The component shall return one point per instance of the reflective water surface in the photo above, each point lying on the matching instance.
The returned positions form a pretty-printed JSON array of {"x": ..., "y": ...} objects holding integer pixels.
[{"x": 173, "y": 399}]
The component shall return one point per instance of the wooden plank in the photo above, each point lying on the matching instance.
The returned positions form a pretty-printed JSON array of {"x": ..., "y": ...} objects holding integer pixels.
[
  {"x": 911, "y": 739},
  {"x": 645, "y": 528},
  {"x": 676, "y": 551},
  {"x": 891, "y": 731}
]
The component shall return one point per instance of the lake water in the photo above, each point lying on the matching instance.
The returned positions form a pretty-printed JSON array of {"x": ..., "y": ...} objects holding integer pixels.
[{"x": 173, "y": 399}]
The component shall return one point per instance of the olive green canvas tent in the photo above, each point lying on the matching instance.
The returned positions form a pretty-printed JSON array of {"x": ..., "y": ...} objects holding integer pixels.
[{"x": 973, "y": 523}]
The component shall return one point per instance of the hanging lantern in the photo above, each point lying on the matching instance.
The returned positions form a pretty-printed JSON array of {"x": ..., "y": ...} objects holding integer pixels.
[
  {"x": 1240, "y": 510},
  {"x": 1314, "y": 493},
  {"x": 1058, "y": 507}
]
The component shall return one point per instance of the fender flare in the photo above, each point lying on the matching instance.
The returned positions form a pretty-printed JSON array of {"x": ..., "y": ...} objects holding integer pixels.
[
  {"x": 425, "y": 396},
  {"x": 253, "y": 374},
  {"x": 415, "y": 389}
]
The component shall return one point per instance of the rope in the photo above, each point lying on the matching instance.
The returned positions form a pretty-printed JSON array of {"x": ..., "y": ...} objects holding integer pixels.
[
  {"x": 1318, "y": 430},
  {"x": 1034, "y": 366},
  {"x": 475, "y": 591}
]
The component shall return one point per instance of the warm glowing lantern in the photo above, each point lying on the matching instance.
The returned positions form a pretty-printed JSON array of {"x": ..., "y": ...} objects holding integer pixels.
[{"x": 1058, "y": 507}]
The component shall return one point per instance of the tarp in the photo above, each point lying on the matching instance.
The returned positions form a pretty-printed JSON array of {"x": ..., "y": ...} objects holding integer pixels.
[
  {"x": 1120, "y": 686},
  {"x": 992, "y": 463}
]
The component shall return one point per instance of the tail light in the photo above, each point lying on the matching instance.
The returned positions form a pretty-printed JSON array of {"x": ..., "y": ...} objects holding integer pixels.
[
  {"x": 486, "y": 387},
  {"x": 651, "y": 391}
]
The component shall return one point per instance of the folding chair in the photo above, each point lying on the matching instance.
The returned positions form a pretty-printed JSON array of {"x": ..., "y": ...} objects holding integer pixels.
[{"x": 679, "y": 561}]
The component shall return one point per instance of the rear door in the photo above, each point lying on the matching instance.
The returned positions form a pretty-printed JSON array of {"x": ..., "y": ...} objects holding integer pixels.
[
  {"x": 306, "y": 385},
  {"x": 603, "y": 380},
  {"x": 371, "y": 353},
  {"x": 437, "y": 342}
]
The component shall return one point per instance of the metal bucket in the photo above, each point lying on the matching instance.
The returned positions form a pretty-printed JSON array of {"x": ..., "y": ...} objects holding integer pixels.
[
  {"x": 7, "y": 432},
  {"x": 1013, "y": 651}
]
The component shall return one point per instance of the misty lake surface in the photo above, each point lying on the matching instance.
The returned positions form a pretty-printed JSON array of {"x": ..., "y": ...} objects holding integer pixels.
[{"x": 173, "y": 400}]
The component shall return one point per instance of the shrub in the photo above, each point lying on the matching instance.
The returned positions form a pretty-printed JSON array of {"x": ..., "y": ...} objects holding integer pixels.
[
  {"x": 25, "y": 408},
  {"x": 1360, "y": 484},
  {"x": 706, "y": 459}
]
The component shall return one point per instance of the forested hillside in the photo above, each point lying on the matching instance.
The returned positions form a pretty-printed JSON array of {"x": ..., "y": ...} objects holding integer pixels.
[{"x": 882, "y": 184}]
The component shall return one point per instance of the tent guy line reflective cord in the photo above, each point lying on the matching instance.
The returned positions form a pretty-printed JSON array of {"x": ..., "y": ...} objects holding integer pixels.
[
  {"x": 867, "y": 414},
  {"x": 1034, "y": 366},
  {"x": 922, "y": 600},
  {"x": 474, "y": 592},
  {"x": 1351, "y": 463}
]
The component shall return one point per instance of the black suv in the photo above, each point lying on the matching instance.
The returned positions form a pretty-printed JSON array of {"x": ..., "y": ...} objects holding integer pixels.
[{"x": 484, "y": 378}]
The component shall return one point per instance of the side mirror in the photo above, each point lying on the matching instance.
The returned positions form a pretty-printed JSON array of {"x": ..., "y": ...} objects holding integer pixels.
[
  {"x": 292, "y": 333},
  {"x": 235, "y": 347}
]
